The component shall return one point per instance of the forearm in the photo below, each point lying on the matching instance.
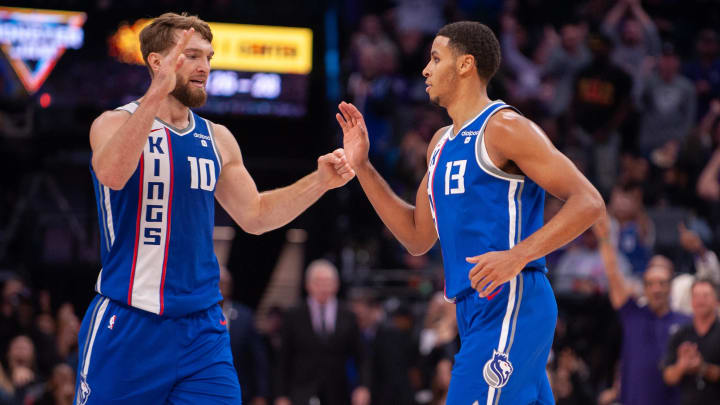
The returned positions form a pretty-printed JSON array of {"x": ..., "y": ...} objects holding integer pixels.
[
  {"x": 115, "y": 161},
  {"x": 672, "y": 374},
  {"x": 278, "y": 207},
  {"x": 398, "y": 215},
  {"x": 614, "y": 15},
  {"x": 707, "y": 186},
  {"x": 579, "y": 212},
  {"x": 618, "y": 290}
]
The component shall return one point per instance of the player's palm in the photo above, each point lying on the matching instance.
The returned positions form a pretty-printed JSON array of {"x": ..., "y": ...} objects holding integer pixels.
[
  {"x": 355, "y": 135},
  {"x": 165, "y": 77}
]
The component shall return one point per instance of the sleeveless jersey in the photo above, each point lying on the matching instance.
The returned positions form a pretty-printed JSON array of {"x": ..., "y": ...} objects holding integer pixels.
[
  {"x": 156, "y": 232},
  {"x": 477, "y": 208}
]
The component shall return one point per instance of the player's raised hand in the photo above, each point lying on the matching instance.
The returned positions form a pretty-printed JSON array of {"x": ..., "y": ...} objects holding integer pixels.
[
  {"x": 334, "y": 170},
  {"x": 355, "y": 134},
  {"x": 165, "y": 67},
  {"x": 494, "y": 269}
]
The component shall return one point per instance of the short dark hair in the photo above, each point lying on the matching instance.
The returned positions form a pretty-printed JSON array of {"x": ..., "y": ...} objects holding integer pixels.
[
  {"x": 708, "y": 281},
  {"x": 478, "y": 40}
]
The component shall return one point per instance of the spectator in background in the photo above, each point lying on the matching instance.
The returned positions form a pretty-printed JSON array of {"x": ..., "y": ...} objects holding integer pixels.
[
  {"x": 249, "y": 355},
  {"x": 21, "y": 367},
  {"x": 631, "y": 228},
  {"x": 636, "y": 43},
  {"x": 15, "y": 310},
  {"x": 706, "y": 266},
  {"x": 704, "y": 70},
  {"x": 668, "y": 104},
  {"x": 693, "y": 355},
  {"x": 647, "y": 326},
  {"x": 570, "y": 379},
  {"x": 68, "y": 326},
  {"x": 394, "y": 360},
  {"x": 566, "y": 58},
  {"x": 319, "y": 337},
  {"x": 60, "y": 389},
  {"x": 438, "y": 344},
  {"x": 600, "y": 106},
  {"x": 6, "y": 388}
]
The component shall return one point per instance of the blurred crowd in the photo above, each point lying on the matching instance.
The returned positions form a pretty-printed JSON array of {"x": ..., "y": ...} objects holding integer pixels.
[{"x": 629, "y": 90}]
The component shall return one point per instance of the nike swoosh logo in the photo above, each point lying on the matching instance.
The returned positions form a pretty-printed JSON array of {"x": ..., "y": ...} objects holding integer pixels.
[{"x": 156, "y": 129}]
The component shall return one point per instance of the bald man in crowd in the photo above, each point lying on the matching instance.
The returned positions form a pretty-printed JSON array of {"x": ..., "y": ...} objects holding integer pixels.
[{"x": 319, "y": 337}]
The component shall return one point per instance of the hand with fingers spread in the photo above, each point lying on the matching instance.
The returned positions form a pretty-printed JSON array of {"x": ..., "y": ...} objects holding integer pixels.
[
  {"x": 334, "y": 170},
  {"x": 165, "y": 67},
  {"x": 493, "y": 269},
  {"x": 355, "y": 134}
]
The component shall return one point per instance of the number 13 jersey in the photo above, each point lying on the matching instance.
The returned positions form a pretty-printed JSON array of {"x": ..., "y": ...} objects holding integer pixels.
[
  {"x": 478, "y": 208},
  {"x": 156, "y": 232}
]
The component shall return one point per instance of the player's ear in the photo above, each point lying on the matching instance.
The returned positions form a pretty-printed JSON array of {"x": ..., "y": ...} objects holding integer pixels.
[
  {"x": 466, "y": 64},
  {"x": 153, "y": 61}
]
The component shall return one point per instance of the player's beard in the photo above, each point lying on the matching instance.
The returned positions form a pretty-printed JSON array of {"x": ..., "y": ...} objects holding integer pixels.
[{"x": 189, "y": 96}]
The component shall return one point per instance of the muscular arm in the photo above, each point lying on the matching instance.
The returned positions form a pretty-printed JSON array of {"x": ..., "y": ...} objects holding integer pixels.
[
  {"x": 511, "y": 137},
  {"x": 412, "y": 225},
  {"x": 117, "y": 140},
  {"x": 515, "y": 138},
  {"x": 257, "y": 212}
]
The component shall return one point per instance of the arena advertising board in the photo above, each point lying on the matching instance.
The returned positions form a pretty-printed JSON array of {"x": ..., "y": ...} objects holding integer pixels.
[
  {"x": 256, "y": 69},
  {"x": 33, "y": 41},
  {"x": 239, "y": 47}
]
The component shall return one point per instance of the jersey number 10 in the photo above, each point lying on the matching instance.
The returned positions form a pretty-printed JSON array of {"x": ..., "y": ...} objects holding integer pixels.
[{"x": 202, "y": 173}]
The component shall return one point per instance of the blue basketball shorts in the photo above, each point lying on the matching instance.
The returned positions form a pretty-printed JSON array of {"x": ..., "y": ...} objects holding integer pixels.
[
  {"x": 130, "y": 356},
  {"x": 505, "y": 344}
]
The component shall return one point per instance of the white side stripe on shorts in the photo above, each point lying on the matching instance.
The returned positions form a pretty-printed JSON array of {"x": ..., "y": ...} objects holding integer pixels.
[{"x": 95, "y": 325}]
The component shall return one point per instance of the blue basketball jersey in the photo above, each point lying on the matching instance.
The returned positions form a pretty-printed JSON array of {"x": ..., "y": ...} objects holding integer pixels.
[
  {"x": 478, "y": 208},
  {"x": 156, "y": 233}
]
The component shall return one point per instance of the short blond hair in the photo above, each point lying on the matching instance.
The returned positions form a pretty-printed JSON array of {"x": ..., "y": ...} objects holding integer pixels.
[{"x": 159, "y": 36}]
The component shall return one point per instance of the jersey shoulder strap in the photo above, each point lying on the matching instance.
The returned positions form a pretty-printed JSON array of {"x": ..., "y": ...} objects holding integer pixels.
[{"x": 129, "y": 107}]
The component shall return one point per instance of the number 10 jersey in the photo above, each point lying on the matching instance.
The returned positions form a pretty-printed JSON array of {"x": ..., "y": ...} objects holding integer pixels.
[{"x": 156, "y": 232}]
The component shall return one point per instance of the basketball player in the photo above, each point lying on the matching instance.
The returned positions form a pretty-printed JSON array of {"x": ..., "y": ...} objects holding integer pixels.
[
  {"x": 483, "y": 196},
  {"x": 154, "y": 334}
]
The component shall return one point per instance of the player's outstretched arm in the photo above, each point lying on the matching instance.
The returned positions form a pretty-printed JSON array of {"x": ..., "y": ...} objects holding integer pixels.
[
  {"x": 412, "y": 225},
  {"x": 116, "y": 138},
  {"x": 257, "y": 212},
  {"x": 511, "y": 137}
]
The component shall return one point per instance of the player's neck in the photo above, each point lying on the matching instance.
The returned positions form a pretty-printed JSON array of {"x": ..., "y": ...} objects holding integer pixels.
[
  {"x": 467, "y": 103},
  {"x": 174, "y": 112}
]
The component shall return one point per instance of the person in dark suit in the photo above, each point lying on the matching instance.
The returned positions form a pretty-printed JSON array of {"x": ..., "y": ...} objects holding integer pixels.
[
  {"x": 320, "y": 338},
  {"x": 249, "y": 353}
]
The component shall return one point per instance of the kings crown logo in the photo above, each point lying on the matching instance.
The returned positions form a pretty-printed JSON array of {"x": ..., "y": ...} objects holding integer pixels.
[
  {"x": 34, "y": 40},
  {"x": 497, "y": 370}
]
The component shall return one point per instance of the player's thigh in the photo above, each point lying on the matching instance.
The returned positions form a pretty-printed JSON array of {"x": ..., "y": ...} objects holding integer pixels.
[
  {"x": 125, "y": 356},
  {"x": 215, "y": 384},
  {"x": 206, "y": 374},
  {"x": 506, "y": 346}
]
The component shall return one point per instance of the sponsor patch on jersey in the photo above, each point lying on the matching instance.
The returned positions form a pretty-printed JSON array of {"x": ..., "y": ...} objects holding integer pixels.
[{"x": 497, "y": 370}]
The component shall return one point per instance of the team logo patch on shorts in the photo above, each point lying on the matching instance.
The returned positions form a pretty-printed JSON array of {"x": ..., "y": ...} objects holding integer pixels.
[
  {"x": 83, "y": 392},
  {"x": 497, "y": 370}
]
